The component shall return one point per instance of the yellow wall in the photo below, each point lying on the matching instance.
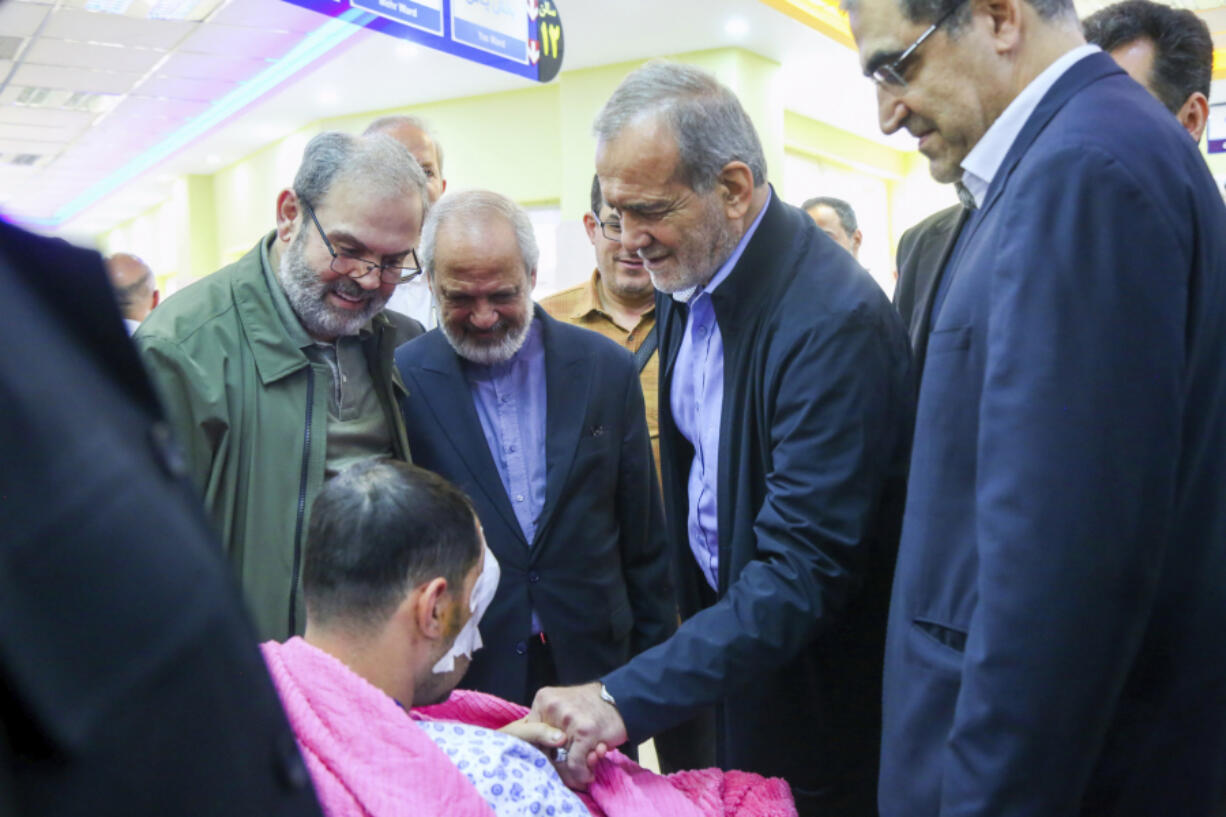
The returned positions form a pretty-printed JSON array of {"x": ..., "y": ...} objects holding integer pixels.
[{"x": 543, "y": 156}]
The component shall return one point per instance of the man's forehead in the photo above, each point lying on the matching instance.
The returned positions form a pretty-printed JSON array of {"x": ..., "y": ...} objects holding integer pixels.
[{"x": 642, "y": 158}]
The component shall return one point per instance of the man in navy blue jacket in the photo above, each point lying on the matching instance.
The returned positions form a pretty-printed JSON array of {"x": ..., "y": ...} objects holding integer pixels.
[
  {"x": 784, "y": 419},
  {"x": 130, "y": 683},
  {"x": 1055, "y": 641}
]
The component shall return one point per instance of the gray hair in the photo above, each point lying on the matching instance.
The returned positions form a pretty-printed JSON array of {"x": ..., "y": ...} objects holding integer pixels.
[
  {"x": 389, "y": 123},
  {"x": 847, "y": 216},
  {"x": 927, "y": 11},
  {"x": 378, "y": 163},
  {"x": 710, "y": 126},
  {"x": 473, "y": 207}
]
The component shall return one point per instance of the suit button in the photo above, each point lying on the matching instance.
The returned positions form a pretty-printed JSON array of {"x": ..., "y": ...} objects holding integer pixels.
[
  {"x": 521, "y": 648},
  {"x": 533, "y": 576}
]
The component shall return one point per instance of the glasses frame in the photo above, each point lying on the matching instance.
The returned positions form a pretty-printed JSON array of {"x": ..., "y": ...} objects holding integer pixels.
[
  {"x": 888, "y": 77},
  {"x": 367, "y": 266},
  {"x": 604, "y": 231}
]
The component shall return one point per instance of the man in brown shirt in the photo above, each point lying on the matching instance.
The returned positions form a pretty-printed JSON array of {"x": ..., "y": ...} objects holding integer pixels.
[{"x": 619, "y": 302}]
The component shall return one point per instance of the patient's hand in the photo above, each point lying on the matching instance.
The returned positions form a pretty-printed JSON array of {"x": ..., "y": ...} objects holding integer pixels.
[{"x": 541, "y": 735}]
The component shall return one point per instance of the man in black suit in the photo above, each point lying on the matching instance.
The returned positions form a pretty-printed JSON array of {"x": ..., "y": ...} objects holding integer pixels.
[
  {"x": 562, "y": 478},
  {"x": 784, "y": 410},
  {"x": 130, "y": 683}
]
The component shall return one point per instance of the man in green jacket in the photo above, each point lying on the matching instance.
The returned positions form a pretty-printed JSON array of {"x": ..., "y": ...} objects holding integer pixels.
[{"x": 276, "y": 371}]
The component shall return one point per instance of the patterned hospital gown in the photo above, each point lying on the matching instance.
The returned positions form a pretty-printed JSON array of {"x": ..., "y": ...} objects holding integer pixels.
[{"x": 511, "y": 775}]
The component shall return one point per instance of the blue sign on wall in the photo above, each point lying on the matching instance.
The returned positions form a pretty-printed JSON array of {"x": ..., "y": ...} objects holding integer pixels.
[
  {"x": 1217, "y": 128},
  {"x": 523, "y": 37}
]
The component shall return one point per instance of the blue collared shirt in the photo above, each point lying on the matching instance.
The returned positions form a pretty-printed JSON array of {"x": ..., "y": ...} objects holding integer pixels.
[
  {"x": 980, "y": 165},
  {"x": 510, "y": 401},
  {"x": 697, "y": 400}
]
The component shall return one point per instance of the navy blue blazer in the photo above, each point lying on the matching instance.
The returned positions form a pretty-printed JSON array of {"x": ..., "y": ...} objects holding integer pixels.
[
  {"x": 130, "y": 682},
  {"x": 597, "y": 572},
  {"x": 1056, "y": 630},
  {"x": 814, "y": 431}
]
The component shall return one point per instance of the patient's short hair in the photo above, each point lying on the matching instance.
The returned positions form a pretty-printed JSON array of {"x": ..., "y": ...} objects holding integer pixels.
[{"x": 378, "y": 529}]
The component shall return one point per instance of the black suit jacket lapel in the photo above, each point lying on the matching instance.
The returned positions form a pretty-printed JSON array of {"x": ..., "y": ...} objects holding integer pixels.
[
  {"x": 568, "y": 386},
  {"x": 445, "y": 390},
  {"x": 923, "y": 304}
]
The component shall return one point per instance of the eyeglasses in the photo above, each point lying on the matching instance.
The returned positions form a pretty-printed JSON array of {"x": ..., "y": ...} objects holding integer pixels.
[
  {"x": 888, "y": 76},
  {"x": 344, "y": 263},
  {"x": 611, "y": 230}
]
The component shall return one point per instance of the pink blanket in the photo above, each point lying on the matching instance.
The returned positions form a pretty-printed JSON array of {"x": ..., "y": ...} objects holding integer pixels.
[{"x": 367, "y": 758}]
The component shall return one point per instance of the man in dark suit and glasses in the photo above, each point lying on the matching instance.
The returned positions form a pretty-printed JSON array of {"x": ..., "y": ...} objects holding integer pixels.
[
  {"x": 785, "y": 406},
  {"x": 1055, "y": 639}
]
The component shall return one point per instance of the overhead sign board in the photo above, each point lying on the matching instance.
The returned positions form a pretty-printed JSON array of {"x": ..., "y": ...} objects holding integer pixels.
[{"x": 522, "y": 37}]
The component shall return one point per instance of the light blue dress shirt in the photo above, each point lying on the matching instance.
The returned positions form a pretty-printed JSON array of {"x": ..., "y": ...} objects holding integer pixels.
[
  {"x": 696, "y": 400},
  {"x": 510, "y": 402}
]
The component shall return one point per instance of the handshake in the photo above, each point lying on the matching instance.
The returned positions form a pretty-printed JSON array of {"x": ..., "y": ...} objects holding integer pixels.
[{"x": 580, "y": 724}]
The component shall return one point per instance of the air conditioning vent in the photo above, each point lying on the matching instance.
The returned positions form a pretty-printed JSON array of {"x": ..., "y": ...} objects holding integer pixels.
[{"x": 33, "y": 96}]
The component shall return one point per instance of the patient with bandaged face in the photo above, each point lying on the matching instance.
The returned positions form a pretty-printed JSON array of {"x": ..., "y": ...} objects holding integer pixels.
[{"x": 396, "y": 577}]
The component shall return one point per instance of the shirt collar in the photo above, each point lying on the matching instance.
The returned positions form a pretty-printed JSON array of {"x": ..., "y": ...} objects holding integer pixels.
[
  {"x": 725, "y": 269},
  {"x": 980, "y": 165},
  {"x": 590, "y": 302}
]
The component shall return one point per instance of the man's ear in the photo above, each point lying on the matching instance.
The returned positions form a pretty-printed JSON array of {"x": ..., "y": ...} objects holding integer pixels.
[
  {"x": 1194, "y": 114},
  {"x": 735, "y": 186},
  {"x": 1005, "y": 18},
  {"x": 442, "y": 189},
  {"x": 856, "y": 238},
  {"x": 589, "y": 224},
  {"x": 288, "y": 210},
  {"x": 430, "y": 604}
]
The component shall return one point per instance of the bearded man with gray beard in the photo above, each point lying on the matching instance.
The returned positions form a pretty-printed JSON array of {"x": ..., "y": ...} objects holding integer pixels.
[
  {"x": 276, "y": 371},
  {"x": 542, "y": 425}
]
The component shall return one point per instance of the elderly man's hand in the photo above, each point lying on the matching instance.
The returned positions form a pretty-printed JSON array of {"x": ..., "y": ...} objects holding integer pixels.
[{"x": 592, "y": 724}]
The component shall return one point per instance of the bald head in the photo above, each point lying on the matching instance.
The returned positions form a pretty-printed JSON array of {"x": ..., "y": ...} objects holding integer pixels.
[
  {"x": 415, "y": 135},
  {"x": 135, "y": 287}
]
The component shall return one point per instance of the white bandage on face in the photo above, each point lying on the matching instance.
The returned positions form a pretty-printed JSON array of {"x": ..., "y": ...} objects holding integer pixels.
[{"x": 469, "y": 639}]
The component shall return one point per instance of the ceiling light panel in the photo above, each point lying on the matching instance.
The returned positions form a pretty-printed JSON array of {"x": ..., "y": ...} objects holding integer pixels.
[
  {"x": 84, "y": 26},
  {"x": 88, "y": 55},
  {"x": 76, "y": 79},
  {"x": 21, "y": 19},
  {"x": 214, "y": 38},
  {"x": 210, "y": 66}
]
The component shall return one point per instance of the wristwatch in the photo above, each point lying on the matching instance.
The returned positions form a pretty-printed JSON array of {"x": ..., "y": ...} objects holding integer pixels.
[{"x": 605, "y": 695}]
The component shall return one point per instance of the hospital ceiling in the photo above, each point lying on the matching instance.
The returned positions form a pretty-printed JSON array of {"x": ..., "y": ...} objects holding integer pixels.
[{"x": 104, "y": 103}]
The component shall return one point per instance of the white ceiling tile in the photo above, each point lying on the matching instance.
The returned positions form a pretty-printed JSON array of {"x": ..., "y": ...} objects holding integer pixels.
[
  {"x": 21, "y": 19},
  {"x": 37, "y": 133},
  {"x": 88, "y": 26},
  {"x": 148, "y": 107},
  {"x": 269, "y": 14},
  {"x": 201, "y": 90},
  {"x": 259, "y": 43},
  {"x": 47, "y": 117},
  {"x": 10, "y": 146},
  {"x": 75, "y": 79},
  {"x": 49, "y": 51},
  {"x": 210, "y": 66}
]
